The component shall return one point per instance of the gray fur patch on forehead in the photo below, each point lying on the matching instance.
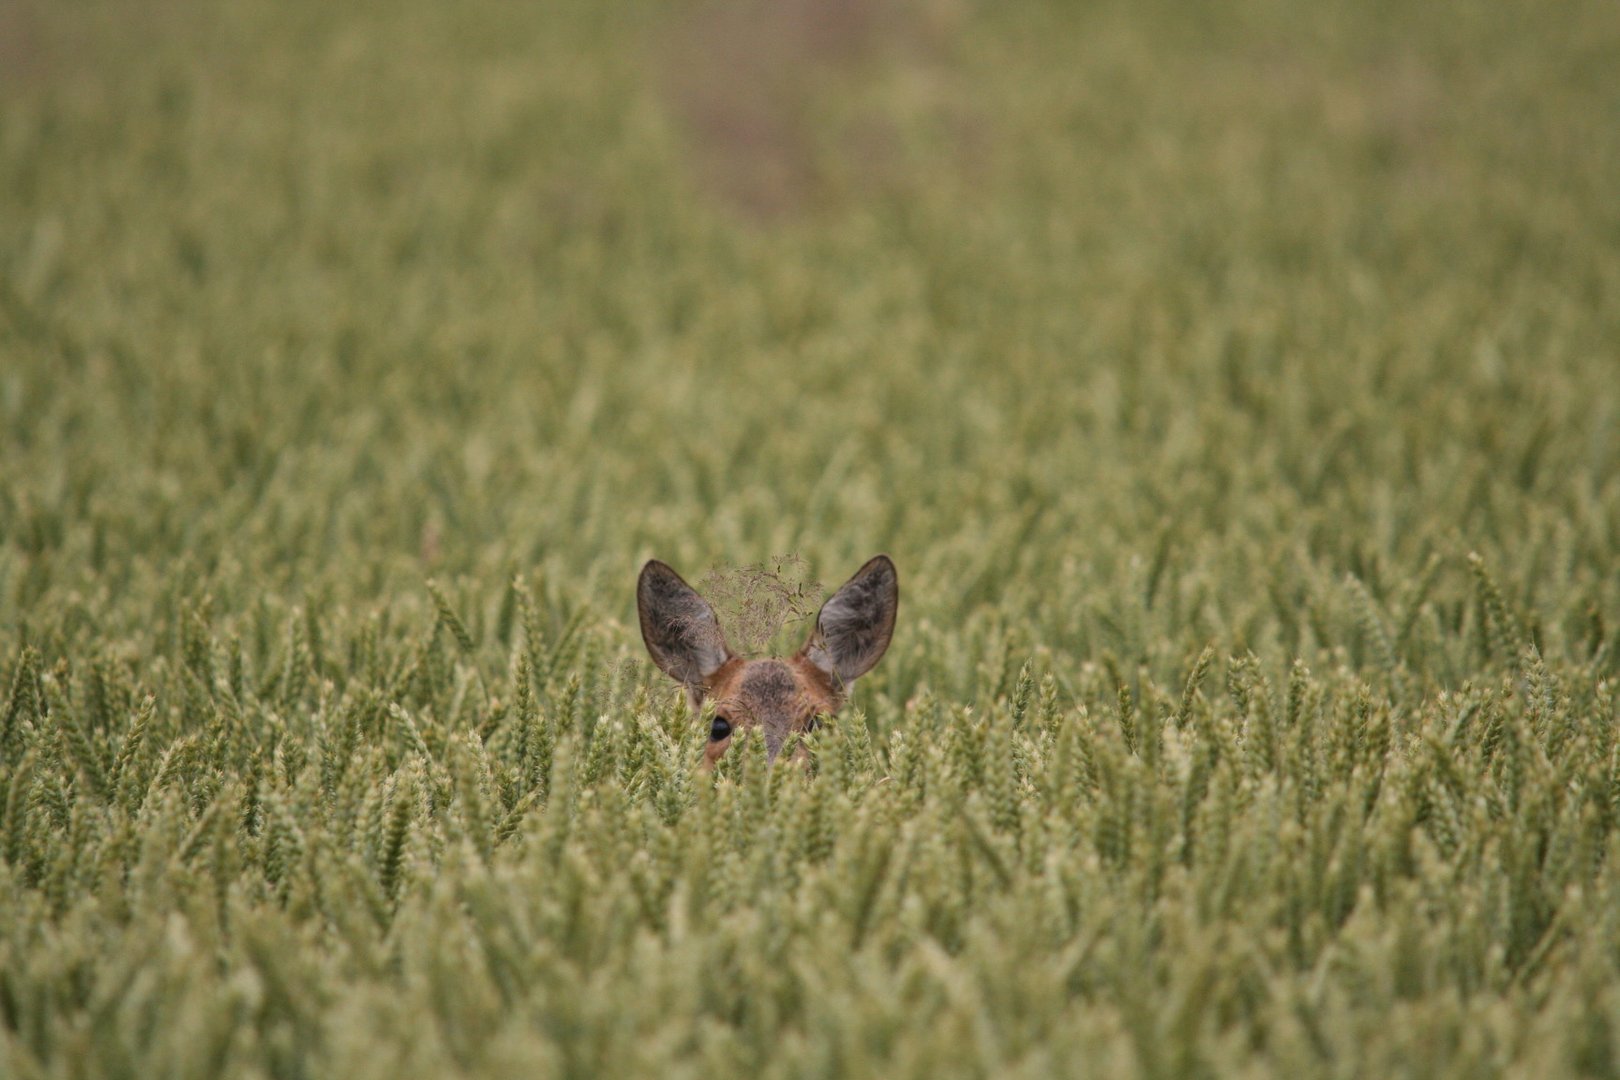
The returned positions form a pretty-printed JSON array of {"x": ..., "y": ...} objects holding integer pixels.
[
  {"x": 768, "y": 694},
  {"x": 769, "y": 680}
]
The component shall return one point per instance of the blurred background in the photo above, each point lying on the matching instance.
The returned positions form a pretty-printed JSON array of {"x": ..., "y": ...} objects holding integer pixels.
[{"x": 1063, "y": 304}]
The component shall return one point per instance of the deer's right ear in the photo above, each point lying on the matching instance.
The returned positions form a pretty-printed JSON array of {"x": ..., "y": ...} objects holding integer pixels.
[{"x": 679, "y": 627}]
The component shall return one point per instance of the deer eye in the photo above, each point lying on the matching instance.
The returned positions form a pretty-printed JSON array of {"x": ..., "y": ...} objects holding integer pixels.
[{"x": 720, "y": 729}]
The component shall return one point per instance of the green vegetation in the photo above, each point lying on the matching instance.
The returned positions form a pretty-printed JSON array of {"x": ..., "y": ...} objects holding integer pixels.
[{"x": 1234, "y": 385}]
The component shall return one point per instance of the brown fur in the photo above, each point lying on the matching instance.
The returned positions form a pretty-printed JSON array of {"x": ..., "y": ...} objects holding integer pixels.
[{"x": 782, "y": 697}]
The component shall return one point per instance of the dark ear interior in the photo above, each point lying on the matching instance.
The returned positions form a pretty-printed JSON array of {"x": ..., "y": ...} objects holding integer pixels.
[
  {"x": 854, "y": 627},
  {"x": 679, "y": 627}
]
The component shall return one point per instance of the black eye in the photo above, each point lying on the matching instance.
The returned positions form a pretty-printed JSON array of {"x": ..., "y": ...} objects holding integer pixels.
[{"x": 721, "y": 729}]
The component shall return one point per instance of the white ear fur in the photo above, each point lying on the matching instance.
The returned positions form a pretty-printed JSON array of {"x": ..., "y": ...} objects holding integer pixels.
[
  {"x": 679, "y": 627},
  {"x": 854, "y": 627}
]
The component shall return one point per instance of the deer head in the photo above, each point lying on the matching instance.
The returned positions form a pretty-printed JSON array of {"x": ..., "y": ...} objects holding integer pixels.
[{"x": 780, "y": 696}]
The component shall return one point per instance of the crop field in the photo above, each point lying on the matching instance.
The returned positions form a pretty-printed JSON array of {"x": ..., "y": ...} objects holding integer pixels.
[{"x": 1236, "y": 388}]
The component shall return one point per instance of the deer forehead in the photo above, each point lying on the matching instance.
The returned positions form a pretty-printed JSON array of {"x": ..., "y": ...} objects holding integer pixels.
[{"x": 771, "y": 688}]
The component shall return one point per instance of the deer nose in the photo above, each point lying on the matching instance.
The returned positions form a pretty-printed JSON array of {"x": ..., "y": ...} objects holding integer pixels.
[{"x": 774, "y": 738}]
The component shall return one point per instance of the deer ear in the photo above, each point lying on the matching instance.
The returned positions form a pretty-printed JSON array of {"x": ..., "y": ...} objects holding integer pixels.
[
  {"x": 853, "y": 629},
  {"x": 679, "y": 627}
]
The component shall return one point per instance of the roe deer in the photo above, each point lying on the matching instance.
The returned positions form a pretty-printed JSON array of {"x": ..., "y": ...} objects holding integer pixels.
[{"x": 781, "y": 696}]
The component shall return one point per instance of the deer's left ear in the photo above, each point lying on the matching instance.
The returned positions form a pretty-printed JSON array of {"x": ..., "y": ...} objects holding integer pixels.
[{"x": 854, "y": 627}]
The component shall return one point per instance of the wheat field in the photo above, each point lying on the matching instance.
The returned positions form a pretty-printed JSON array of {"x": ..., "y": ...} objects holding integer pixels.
[{"x": 1235, "y": 388}]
